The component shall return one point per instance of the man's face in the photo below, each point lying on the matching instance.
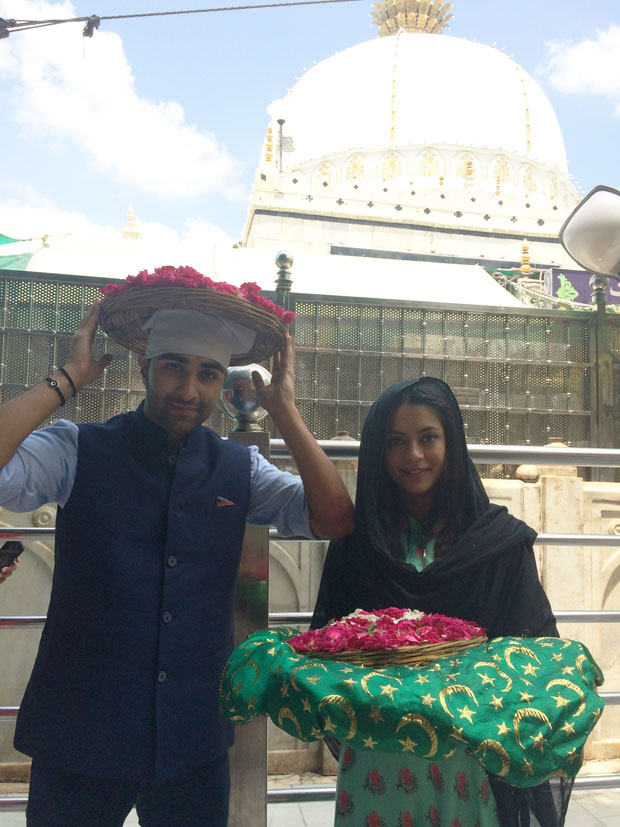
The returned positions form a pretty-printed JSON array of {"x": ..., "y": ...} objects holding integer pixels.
[{"x": 181, "y": 391}]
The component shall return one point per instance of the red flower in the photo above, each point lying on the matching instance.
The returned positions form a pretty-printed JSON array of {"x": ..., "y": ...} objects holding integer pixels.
[
  {"x": 432, "y": 816},
  {"x": 405, "y": 820},
  {"x": 435, "y": 777},
  {"x": 188, "y": 277},
  {"x": 375, "y": 783},
  {"x": 407, "y": 781},
  {"x": 373, "y": 820},
  {"x": 461, "y": 786},
  {"x": 348, "y": 759},
  {"x": 344, "y": 805}
]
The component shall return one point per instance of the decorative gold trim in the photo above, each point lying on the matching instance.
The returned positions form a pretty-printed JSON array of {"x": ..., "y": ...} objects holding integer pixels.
[{"x": 430, "y": 16}]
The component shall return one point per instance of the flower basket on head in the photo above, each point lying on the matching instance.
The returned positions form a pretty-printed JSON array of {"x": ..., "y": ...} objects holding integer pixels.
[
  {"x": 127, "y": 306},
  {"x": 390, "y": 637}
]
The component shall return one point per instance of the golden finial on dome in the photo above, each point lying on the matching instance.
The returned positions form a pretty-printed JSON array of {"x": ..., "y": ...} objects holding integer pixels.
[{"x": 430, "y": 16}]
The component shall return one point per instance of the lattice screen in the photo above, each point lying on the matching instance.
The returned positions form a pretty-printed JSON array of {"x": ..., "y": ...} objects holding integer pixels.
[{"x": 521, "y": 376}]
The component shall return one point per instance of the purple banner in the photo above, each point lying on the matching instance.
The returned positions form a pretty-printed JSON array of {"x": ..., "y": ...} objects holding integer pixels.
[{"x": 574, "y": 286}]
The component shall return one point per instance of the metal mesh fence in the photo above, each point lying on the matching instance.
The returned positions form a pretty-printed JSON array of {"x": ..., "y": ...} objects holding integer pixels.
[{"x": 521, "y": 375}]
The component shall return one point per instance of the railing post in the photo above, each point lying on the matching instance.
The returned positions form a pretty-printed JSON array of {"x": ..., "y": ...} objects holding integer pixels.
[
  {"x": 248, "y": 756},
  {"x": 603, "y": 376}
]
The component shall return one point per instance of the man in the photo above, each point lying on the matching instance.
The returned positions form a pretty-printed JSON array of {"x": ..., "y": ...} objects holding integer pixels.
[{"x": 121, "y": 707}]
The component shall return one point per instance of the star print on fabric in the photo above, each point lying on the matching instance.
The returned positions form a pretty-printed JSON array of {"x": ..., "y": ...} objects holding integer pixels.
[
  {"x": 450, "y": 754},
  {"x": 560, "y": 701},
  {"x": 557, "y": 657},
  {"x": 526, "y": 697},
  {"x": 328, "y": 725},
  {"x": 496, "y": 703},
  {"x": 369, "y": 743},
  {"x": 306, "y": 704},
  {"x": 452, "y": 676},
  {"x": 408, "y": 744},
  {"x": 316, "y": 733},
  {"x": 569, "y": 729},
  {"x": 573, "y": 755},
  {"x": 284, "y": 690},
  {"x": 502, "y": 729},
  {"x": 467, "y": 713},
  {"x": 375, "y": 714},
  {"x": 526, "y": 769},
  {"x": 539, "y": 741},
  {"x": 349, "y": 682},
  {"x": 314, "y": 679},
  {"x": 427, "y": 700},
  {"x": 530, "y": 669},
  {"x": 347, "y": 669},
  {"x": 457, "y": 734},
  {"x": 487, "y": 679},
  {"x": 422, "y": 679},
  {"x": 389, "y": 690},
  {"x": 252, "y": 703},
  {"x": 568, "y": 670}
]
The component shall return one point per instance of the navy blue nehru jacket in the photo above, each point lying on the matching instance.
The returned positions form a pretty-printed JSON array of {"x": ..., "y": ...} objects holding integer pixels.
[{"x": 140, "y": 622}]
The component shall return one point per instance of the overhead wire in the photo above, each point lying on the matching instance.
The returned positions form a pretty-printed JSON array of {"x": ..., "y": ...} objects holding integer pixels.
[{"x": 92, "y": 22}]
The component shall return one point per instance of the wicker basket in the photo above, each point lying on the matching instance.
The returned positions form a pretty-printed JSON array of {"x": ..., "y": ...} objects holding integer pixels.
[
  {"x": 123, "y": 314},
  {"x": 420, "y": 655}
]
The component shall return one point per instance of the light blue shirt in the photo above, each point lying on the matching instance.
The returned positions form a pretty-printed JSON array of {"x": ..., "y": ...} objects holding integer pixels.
[{"x": 43, "y": 470}]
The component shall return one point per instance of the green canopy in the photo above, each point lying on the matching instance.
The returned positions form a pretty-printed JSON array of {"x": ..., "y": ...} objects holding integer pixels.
[{"x": 6, "y": 239}]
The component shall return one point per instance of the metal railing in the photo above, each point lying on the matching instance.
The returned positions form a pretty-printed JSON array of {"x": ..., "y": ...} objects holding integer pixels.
[{"x": 349, "y": 449}]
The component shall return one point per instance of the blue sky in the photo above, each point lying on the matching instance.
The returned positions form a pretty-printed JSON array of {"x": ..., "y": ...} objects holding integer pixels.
[{"x": 168, "y": 114}]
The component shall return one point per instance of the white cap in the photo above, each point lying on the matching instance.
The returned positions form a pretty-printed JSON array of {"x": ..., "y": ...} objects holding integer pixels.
[{"x": 197, "y": 334}]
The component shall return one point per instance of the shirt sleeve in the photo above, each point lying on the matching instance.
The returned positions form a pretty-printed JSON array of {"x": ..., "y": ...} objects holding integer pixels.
[
  {"x": 42, "y": 470},
  {"x": 277, "y": 498}
]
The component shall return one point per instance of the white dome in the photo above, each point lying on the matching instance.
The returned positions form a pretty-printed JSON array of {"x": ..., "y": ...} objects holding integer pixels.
[{"x": 418, "y": 89}]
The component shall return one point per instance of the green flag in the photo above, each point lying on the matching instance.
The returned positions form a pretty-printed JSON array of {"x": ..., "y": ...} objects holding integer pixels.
[
  {"x": 17, "y": 262},
  {"x": 6, "y": 239}
]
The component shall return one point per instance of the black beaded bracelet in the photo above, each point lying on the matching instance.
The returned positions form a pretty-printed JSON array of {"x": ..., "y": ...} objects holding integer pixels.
[
  {"x": 69, "y": 379},
  {"x": 53, "y": 383}
]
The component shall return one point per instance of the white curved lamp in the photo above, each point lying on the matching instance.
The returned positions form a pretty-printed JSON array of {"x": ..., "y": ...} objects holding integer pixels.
[{"x": 591, "y": 233}]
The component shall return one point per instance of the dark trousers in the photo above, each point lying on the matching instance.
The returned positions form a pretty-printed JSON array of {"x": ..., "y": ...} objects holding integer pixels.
[{"x": 198, "y": 798}]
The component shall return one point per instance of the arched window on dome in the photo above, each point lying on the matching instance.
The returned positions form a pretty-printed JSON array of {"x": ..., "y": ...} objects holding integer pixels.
[
  {"x": 355, "y": 168},
  {"x": 467, "y": 166},
  {"x": 324, "y": 176},
  {"x": 528, "y": 180},
  {"x": 554, "y": 188},
  {"x": 500, "y": 172},
  {"x": 430, "y": 164},
  {"x": 392, "y": 166}
]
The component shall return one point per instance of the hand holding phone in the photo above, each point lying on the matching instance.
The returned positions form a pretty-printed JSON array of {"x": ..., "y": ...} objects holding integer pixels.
[{"x": 9, "y": 552}]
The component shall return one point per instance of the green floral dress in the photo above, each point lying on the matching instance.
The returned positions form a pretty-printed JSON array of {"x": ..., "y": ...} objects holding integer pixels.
[{"x": 390, "y": 790}]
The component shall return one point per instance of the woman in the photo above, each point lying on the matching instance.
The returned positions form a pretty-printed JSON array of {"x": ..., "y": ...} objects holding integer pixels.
[{"x": 427, "y": 538}]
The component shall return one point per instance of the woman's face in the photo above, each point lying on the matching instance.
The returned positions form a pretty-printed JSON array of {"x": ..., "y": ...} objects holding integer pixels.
[{"x": 415, "y": 453}]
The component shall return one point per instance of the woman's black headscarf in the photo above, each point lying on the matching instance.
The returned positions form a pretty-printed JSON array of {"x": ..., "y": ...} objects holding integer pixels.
[{"x": 487, "y": 574}]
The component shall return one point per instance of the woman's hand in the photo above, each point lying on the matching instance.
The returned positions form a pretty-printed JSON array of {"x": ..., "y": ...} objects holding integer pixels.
[{"x": 7, "y": 571}]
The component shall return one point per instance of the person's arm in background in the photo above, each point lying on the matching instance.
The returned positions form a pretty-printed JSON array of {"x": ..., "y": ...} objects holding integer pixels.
[{"x": 331, "y": 509}]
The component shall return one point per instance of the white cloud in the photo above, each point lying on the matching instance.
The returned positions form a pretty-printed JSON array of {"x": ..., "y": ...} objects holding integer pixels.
[
  {"x": 82, "y": 93},
  {"x": 588, "y": 67}
]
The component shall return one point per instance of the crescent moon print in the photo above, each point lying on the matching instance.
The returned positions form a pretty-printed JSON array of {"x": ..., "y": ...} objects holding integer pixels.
[
  {"x": 252, "y": 665},
  {"x": 523, "y": 649},
  {"x": 527, "y": 712},
  {"x": 452, "y": 690},
  {"x": 285, "y": 712},
  {"x": 345, "y": 705},
  {"x": 421, "y": 721},
  {"x": 369, "y": 675},
  {"x": 503, "y": 675},
  {"x": 495, "y": 746},
  {"x": 574, "y": 688},
  {"x": 305, "y": 666}
]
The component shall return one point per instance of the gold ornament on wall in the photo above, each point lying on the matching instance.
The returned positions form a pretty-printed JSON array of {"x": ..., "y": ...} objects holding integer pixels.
[
  {"x": 429, "y": 163},
  {"x": 391, "y": 166},
  {"x": 355, "y": 168}
]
